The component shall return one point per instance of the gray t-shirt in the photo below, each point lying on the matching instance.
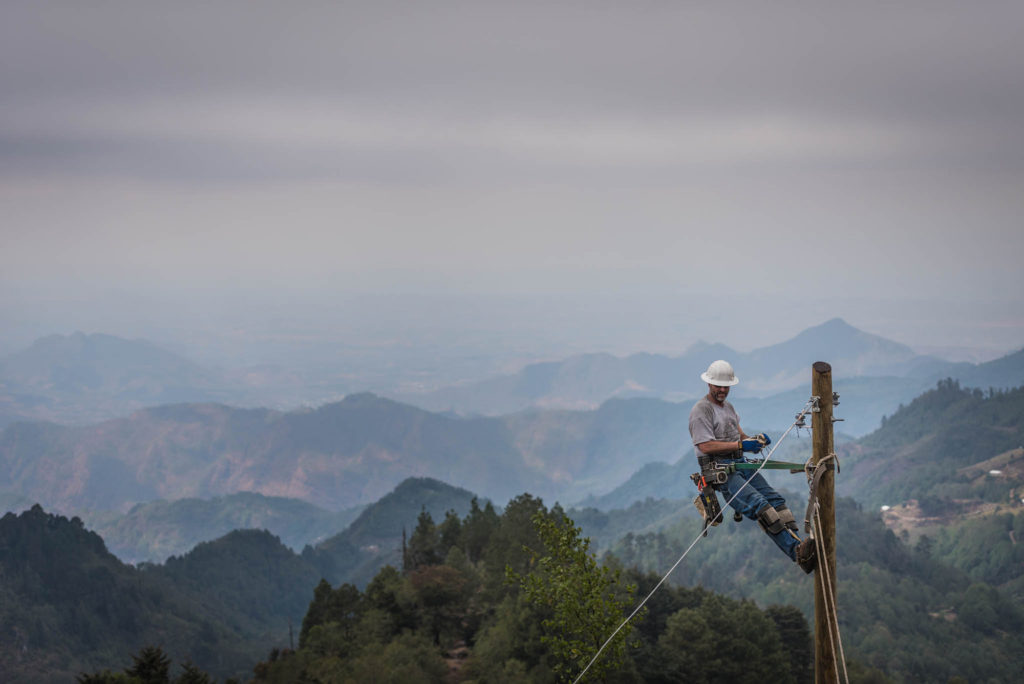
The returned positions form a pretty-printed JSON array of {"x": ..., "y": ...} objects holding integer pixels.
[{"x": 709, "y": 421}]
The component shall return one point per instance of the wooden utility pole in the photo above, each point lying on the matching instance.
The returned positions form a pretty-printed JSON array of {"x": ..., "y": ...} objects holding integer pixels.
[{"x": 825, "y": 638}]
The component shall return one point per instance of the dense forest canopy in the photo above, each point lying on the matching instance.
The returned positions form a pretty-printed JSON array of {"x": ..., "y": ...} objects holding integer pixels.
[{"x": 511, "y": 591}]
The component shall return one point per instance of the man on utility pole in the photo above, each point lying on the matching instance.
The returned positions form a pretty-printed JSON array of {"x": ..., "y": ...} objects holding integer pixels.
[{"x": 720, "y": 441}]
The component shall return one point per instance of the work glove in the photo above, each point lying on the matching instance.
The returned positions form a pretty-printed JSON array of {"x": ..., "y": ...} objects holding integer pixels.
[
  {"x": 764, "y": 439},
  {"x": 752, "y": 445}
]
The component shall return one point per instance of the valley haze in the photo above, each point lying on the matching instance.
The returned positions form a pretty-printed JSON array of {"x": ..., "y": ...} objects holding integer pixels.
[{"x": 126, "y": 422}]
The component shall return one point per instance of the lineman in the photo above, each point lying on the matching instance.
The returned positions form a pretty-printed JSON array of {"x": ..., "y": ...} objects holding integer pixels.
[{"x": 719, "y": 439}]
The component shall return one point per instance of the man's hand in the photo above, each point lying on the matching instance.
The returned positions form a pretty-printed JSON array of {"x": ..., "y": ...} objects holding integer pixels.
[
  {"x": 756, "y": 443},
  {"x": 752, "y": 445}
]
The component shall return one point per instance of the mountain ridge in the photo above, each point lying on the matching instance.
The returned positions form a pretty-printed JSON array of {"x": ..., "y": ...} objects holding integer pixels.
[
  {"x": 353, "y": 451},
  {"x": 586, "y": 380},
  {"x": 83, "y": 379},
  {"x": 337, "y": 456},
  {"x": 155, "y": 530}
]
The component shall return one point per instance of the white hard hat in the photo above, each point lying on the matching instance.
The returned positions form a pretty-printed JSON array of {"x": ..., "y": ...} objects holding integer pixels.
[{"x": 720, "y": 373}]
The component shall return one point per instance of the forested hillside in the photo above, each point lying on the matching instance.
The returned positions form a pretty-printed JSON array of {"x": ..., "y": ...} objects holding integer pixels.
[
  {"x": 901, "y": 609},
  {"x": 903, "y": 612},
  {"x": 937, "y": 450},
  {"x": 67, "y": 605},
  {"x": 374, "y": 538},
  {"x": 70, "y": 607},
  {"x": 462, "y": 610},
  {"x": 988, "y": 548},
  {"x": 226, "y": 603}
]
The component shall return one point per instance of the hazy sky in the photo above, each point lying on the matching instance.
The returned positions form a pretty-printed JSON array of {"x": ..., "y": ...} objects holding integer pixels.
[{"x": 625, "y": 175}]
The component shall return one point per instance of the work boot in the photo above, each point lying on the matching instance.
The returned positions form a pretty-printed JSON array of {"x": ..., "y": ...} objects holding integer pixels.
[{"x": 807, "y": 555}]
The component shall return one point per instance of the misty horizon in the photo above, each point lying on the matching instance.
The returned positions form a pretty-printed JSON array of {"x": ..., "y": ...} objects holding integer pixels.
[{"x": 506, "y": 182}]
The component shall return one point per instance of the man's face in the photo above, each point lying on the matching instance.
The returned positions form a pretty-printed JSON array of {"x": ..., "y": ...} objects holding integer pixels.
[{"x": 718, "y": 394}]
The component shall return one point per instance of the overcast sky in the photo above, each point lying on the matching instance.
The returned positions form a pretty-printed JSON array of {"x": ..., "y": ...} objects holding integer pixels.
[{"x": 746, "y": 169}]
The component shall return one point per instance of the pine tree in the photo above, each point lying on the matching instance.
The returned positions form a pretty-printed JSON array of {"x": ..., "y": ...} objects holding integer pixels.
[
  {"x": 151, "y": 666},
  {"x": 423, "y": 544}
]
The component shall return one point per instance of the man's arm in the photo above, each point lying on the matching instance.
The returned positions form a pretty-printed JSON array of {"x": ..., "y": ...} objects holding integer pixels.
[
  {"x": 713, "y": 447},
  {"x": 746, "y": 443}
]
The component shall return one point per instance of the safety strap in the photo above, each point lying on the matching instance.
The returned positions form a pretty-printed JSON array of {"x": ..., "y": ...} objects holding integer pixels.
[
  {"x": 770, "y": 465},
  {"x": 814, "y": 475}
]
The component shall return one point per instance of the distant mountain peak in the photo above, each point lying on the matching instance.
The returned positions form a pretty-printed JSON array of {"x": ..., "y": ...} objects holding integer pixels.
[
  {"x": 418, "y": 485},
  {"x": 837, "y": 335},
  {"x": 833, "y": 326},
  {"x": 361, "y": 398},
  {"x": 365, "y": 401},
  {"x": 837, "y": 323},
  {"x": 709, "y": 348}
]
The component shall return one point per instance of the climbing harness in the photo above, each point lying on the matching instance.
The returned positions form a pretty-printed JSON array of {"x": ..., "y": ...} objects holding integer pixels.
[
  {"x": 757, "y": 467},
  {"x": 718, "y": 474}
]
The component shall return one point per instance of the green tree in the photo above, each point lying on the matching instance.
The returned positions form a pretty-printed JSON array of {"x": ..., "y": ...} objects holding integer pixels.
[
  {"x": 514, "y": 533},
  {"x": 408, "y": 659},
  {"x": 441, "y": 599},
  {"x": 508, "y": 648},
  {"x": 477, "y": 529},
  {"x": 150, "y": 666},
  {"x": 330, "y": 624},
  {"x": 388, "y": 596},
  {"x": 192, "y": 675},
  {"x": 980, "y": 608},
  {"x": 587, "y": 601},
  {"x": 423, "y": 543},
  {"x": 318, "y": 610},
  {"x": 449, "y": 532},
  {"x": 104, "y": 677},
  {"x": 796, "y": 639},
  {"x": 725, "y": 641}
]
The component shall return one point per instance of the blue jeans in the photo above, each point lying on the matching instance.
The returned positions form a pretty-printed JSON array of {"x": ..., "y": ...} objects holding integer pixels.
[{"x": 757, "y": 495}]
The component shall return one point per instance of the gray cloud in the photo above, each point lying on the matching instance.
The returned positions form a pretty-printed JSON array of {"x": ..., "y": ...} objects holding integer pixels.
[
  {"x": 509, "y": 146},
  {"x": 273, "y": 89}
]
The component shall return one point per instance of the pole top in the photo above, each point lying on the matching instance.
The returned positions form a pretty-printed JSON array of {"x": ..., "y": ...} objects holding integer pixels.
[{"x": 822, "y": 367}]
